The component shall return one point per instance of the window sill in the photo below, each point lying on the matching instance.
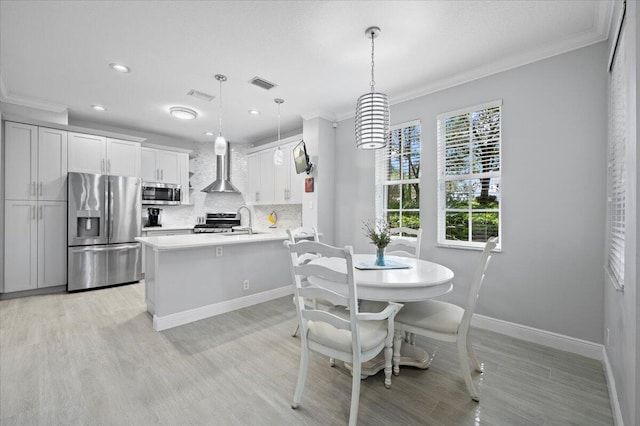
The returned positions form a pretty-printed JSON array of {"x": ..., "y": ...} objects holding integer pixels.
[{"x": 467, "y": 247}]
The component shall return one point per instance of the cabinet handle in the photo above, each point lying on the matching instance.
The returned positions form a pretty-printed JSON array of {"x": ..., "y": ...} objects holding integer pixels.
[
  {"x": 33, "y": 212},
  {"x": 109, "y": 165},
  {"x": 162, "y": 175},
  {"x": 158, "y": 174},
  {"x": 41, "y": 212},
  {"x": 33, "y": 188},
  {"x": 40, "y": 187},
  {"x": 102, "y": 165}
]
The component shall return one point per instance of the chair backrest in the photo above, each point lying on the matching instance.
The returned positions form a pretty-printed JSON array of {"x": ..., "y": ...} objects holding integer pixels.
[
  {"x": 405, "y": 242},
  {"x": 318, "y": 275},
  {"x": 303, "y": 234},
  {"x": 476, "y": 282}
]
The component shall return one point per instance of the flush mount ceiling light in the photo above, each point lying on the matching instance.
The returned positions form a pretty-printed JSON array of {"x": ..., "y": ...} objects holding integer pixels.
[
  {"x": 209, "y": 133},
  {"x": 277, "y": 154},
  {"x": 183, "y": 113},
  {"x": 98, "y": 107},
  {"x": 372, "y": 110},
  {"x": 220, "y": 145},
  {"x": 254, "y": 112},
  {"x": 120, "y": 68}
]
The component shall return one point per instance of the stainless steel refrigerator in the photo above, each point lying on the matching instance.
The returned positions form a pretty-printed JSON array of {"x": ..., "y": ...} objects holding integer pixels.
[{"x": 104, "y": 220}]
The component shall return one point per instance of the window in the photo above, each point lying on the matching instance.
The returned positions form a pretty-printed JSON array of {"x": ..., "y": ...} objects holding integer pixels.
[
  {"x": 616, "y": 166},
  {"x": 398, "y": 177},
  {"x": 469, "y": 178}
]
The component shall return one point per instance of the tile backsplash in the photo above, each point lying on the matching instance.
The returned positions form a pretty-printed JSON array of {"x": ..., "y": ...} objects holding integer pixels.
[{"x": 202, "y": 164}]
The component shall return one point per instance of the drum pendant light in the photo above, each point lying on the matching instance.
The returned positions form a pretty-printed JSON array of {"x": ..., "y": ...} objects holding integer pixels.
[
  {"x": 372, "y": 110},
  {"x": 277, "y": 154},
  {"x": 220, "y": 145}
]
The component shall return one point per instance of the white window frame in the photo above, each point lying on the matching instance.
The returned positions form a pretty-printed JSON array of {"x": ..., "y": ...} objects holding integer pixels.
[
  {"x": 381, "y": 173},
  {"x": 443, "y": 179}
]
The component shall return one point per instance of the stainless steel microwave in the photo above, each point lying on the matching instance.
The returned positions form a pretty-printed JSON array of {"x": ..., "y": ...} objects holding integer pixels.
[{"x": 160, "y": 193}]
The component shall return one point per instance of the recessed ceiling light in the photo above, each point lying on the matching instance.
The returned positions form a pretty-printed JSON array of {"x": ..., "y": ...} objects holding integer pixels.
[
  {"x": 209, "y": 133},
  {"x": 120, "y": 68},
  {"x": 183, "y": 113},
  {"x": 98, "y": 107},
  {"x": 254, "y": 112}
]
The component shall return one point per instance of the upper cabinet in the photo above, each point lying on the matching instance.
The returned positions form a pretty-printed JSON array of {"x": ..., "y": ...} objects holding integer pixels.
[
  {"x": 159, "y": 165},
  {"x": 36, "y": 163},
  {"x": 99, "y": 154},
  {"x": 270, "y": 183}
]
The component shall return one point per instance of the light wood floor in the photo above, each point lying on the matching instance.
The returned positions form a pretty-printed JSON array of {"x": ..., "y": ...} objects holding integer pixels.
[{"x": 93, "y": 358}]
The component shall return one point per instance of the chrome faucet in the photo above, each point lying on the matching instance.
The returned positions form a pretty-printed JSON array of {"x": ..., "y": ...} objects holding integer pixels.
[{"x": 248, "y": 211}]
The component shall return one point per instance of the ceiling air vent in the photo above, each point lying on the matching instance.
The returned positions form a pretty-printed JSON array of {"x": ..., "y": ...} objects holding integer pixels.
[
  {"x": 261, "y": 82},
  {"x": 200, "y": 95}
]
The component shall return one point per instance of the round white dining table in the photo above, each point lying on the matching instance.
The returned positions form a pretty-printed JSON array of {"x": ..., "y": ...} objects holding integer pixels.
[{"x": 422, "y": 280}]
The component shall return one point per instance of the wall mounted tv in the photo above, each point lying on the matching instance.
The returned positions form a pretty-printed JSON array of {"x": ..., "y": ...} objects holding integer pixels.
[{"x": 301, "y": 158}]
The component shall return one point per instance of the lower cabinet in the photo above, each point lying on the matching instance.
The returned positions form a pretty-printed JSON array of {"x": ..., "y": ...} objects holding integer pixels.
[{"x": 35, "y": 241}]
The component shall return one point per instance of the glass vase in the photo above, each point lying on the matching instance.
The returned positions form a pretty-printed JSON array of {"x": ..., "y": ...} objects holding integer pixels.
[{"x": 380, "y": 256}]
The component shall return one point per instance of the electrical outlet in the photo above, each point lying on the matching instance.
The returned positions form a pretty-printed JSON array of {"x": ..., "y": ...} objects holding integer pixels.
[
  {"x": 218, "y": 251},
  {"x": 607, "y": 337},
  {"x": 245, "y": 284}
]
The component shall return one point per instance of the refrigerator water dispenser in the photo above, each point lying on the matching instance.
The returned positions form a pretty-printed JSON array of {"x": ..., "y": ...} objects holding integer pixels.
[{"x": 88, "y": 224}]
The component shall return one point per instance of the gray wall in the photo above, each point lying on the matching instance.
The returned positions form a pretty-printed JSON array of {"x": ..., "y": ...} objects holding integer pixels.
[
  {"x": 550, "y": 273},
  {"x": 621, "y": 308}
]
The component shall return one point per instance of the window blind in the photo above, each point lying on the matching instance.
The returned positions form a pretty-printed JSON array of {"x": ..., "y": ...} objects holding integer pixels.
[
  {"x": 616, "y": 167},
  {"x": 469, "y": 175}
]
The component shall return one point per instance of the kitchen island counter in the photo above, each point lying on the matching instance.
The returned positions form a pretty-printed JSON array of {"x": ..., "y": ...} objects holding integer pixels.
[
  {"x": 196, "y": 276},
  {"x": 177, "y": 242}
]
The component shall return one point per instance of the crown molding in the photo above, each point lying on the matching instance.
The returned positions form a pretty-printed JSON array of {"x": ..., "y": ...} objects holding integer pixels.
[
  {"x": 318, "y": 114},
  {"x": 597, "y": 33},
  {"x": 10, "y": 98}
]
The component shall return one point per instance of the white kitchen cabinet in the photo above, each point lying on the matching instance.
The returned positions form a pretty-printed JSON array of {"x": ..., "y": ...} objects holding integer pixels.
[
  {"x": 123, "y": 157},
  {"x": 161, "y": 166},
  {"x": 37, "y": 257},
  {"x": 36, "y": 163},
  {"x": 98, "y": 154},
  {"x": 288, "y": 184},
  {"x": 273, "y": 184}
]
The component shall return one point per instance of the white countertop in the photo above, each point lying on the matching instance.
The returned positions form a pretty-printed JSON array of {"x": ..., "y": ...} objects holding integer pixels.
[{"x": 176, "y": 242}]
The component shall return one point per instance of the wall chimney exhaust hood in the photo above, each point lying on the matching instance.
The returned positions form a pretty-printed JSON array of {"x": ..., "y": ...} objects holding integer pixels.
[{"x": 223, "y": 175}]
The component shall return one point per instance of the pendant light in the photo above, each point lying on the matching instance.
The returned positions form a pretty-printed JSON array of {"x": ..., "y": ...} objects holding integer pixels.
[
  {"x": 277, "y": 154},
  {"x": 372, "y": 110},
  {"x": 220, "y": 145}
]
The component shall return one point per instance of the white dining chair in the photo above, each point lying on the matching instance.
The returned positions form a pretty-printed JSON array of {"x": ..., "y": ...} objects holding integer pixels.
[
  {"x": 446, "y": 322},
  {"x": 296, "y": 235},
  {"x": 405, "y": 242},
  {"x": 350, "y": 336}
]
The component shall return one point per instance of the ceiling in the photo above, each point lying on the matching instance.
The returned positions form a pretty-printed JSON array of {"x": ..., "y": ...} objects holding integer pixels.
[{"x": 56, "y": 54}]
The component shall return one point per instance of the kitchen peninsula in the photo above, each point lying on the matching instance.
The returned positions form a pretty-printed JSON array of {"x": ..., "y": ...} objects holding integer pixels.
[{"x": 196, "y": 276}]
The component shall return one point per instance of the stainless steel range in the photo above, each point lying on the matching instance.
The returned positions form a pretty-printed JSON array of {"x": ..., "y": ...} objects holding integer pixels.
[{"x": 218, "y": 222}]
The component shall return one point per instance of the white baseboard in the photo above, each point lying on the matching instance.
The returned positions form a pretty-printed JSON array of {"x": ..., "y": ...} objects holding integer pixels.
[
  {"x": 541, "y": 337},
  {"x": 613, "y": 393},
  {"x": 181, "y": 318}
]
